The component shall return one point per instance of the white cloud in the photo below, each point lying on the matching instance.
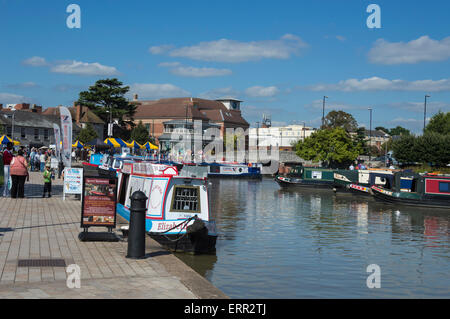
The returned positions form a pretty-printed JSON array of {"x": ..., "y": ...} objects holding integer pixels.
[
  {"x": 225, "y": 50},
  {"x": 156, "y": 91},
  {"x": 35, "y": 61},
  {"x": 419, "y": 106},
  {"x": 83, "y": 68},
  {"x": 24, "y": 85},
  {"x": 160, "y": 49},
  {"x": 218, "y": 93},
  {"x": 8, "y": 98},
  {"x": 341, "y": 38},
  {"x": 190, "y": 71},
  {"x": 260, "y": 91},
  {"x": 169, "y": 64},
  {"x": 423, "y": 49},
  {"x": 380, "y": 84}
]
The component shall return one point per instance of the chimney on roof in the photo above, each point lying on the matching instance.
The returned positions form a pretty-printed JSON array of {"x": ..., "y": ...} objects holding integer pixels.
[
  {"x": 78, "y": 110},
  {"x": 135, "y": 97}
]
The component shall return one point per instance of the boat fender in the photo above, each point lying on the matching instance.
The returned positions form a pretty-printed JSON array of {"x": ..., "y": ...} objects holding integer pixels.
[{"x": 196, "y": 226}]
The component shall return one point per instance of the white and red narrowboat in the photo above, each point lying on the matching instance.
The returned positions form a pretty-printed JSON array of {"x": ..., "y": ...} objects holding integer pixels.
[
  {"x": 178, "y": 213},
  {"x": 427, "y": 190}
]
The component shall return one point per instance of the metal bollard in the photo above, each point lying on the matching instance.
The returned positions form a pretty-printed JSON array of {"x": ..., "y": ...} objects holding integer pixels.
[{"x": 136, "y": 233}]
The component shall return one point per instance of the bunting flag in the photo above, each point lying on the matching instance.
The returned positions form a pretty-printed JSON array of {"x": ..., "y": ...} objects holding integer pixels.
[{"x": 66, "y": 127}]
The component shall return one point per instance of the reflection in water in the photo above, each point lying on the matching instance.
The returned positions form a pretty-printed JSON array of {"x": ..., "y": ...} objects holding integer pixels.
[{"x": 276, "y": 243}]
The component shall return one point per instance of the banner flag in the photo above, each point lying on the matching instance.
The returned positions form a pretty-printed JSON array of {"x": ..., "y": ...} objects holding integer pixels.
[
  {"x": 66, "y": 127},
  {"x": 57, "y": 132}
]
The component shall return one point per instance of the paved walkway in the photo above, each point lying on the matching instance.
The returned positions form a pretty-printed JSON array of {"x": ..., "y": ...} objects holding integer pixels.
[{"x": 48, "y": 228}]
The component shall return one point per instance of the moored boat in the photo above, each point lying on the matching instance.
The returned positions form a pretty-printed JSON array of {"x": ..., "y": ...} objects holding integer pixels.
[
  {"x": 178, "y": 214},
  {"x": 233, "y": 170},
  {"x": 360, "y": 181},
  {"x": 427, "y": 190},
  {"x": 311, "y": 177}
]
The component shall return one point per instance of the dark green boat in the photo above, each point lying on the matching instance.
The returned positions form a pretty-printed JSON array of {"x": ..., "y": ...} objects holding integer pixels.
[{"x": 310, "y": 177}]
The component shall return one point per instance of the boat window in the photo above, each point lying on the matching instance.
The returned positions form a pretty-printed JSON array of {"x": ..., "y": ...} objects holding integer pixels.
[
  {"x": 123, "y": 188},
  {"x": 214, "y": 169},
  {"x": 444, "y": 187},
  {"x": 186, "y": 199}
]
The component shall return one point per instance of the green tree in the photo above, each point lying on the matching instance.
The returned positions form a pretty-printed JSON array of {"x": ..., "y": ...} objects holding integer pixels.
[
  {"x": 108, "y": 95},
  {"x": 439, "y": 123},
  {"x": 399, "y": 131},
  {"x": 87, "y": 134},
  {"x": 433, "y": 148},
  {"x": 360, "y": 142},
  {"x": 404, "y": 149},
  {"x": 334, "y": 147},
  {"x": 140, "y": 134},
  {"x": 335, "y": 119}
]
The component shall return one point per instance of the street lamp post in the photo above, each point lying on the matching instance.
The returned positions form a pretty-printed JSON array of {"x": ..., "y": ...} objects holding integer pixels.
[
  {"x": 370, "y": 136},
  {"x": 323, "y": 111},
  {"x": 303, "y": 131},
  {"x": 425, "y": 112}
]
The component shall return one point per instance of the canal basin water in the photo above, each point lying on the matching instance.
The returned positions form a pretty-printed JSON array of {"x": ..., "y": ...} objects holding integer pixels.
[{"x": 305, "y": 243}]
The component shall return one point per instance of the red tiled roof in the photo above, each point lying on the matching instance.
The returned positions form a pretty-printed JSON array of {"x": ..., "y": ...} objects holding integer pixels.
[{"x": 197, "y": 109}]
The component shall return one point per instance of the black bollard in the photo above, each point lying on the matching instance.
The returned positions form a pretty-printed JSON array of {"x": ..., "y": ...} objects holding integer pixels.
[{"x": 136, "y": 232}]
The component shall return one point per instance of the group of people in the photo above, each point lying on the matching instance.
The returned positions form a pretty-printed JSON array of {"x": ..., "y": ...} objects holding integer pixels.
[
  {"x": 359, "y": 166},
  {"x": 16, "y": 167}
]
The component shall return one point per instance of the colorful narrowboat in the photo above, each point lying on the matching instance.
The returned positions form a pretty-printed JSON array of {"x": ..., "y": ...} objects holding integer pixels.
[
  {"x": 233, "y": 170},
  {"x": 178, "y": 210},
  {"x": 427, "y": 190},
  {"x": 360, "y": 181}
]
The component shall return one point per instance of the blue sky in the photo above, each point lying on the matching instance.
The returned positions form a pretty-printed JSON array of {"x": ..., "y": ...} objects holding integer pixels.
[{"x": 279, "y": 57}]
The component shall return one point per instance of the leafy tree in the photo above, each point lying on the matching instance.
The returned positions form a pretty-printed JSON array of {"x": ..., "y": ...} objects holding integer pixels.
[
  {"x": 140, "y": 134},
  {"x": 403, "y": 149},
  {"x": 433, "y": 148},
  {"x": 399, "y": 131},
  {"x": 336, "y": 119},
  {"x": 360, "y": 141},
  {"x": 439, "y": 123},
  {"x": 87, "y": 134},
  {"x": 108, "y": 95},
  {"x": 332, "y": 146}
]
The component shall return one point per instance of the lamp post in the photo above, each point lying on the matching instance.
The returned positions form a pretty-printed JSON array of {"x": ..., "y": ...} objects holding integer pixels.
[
  {"x": 323, "y": 110},
  {"x": 303, "y": 131},
  {"x": 370, "y": 136},
  {"x": 425, "y": 112}
]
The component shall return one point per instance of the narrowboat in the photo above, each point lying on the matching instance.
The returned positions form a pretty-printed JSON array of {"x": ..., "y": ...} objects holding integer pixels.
[
  {"x": 233, "y": 170},
  {"x": 178, "y": 210},
  {"x": 360, "y": 181},
  {"x": 91, "y": 167},
  {"x": 427, "y": 190},
  {"x": 311, "y": 177}
]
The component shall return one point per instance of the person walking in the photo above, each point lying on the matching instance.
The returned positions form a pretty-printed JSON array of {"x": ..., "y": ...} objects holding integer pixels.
[
  {"x": 7, "y": 158},
  {"x": 32, "y": 155},
  {"x": 19, "y": 172},
  {"x": 47, "y": 181},
  {"x": 42, "y": 159}
]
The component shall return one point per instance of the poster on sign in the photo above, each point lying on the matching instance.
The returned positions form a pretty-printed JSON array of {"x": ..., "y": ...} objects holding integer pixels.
[
  {"x": 73, "y": 181},
  {"x": 98, "y": 207}
]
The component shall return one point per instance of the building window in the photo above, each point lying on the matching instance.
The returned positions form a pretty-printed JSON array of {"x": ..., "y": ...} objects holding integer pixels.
[
  {"x": 186, "y": 199},
  {"x": 8, "y": 130},
  {"x": 46, "y": 134},
  {"x": 22, "y": 132},
  {"x": 36, "y": 133}
]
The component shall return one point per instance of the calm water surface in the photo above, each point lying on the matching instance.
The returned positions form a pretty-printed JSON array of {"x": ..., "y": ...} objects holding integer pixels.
[{"x": 276, "y": 243}]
